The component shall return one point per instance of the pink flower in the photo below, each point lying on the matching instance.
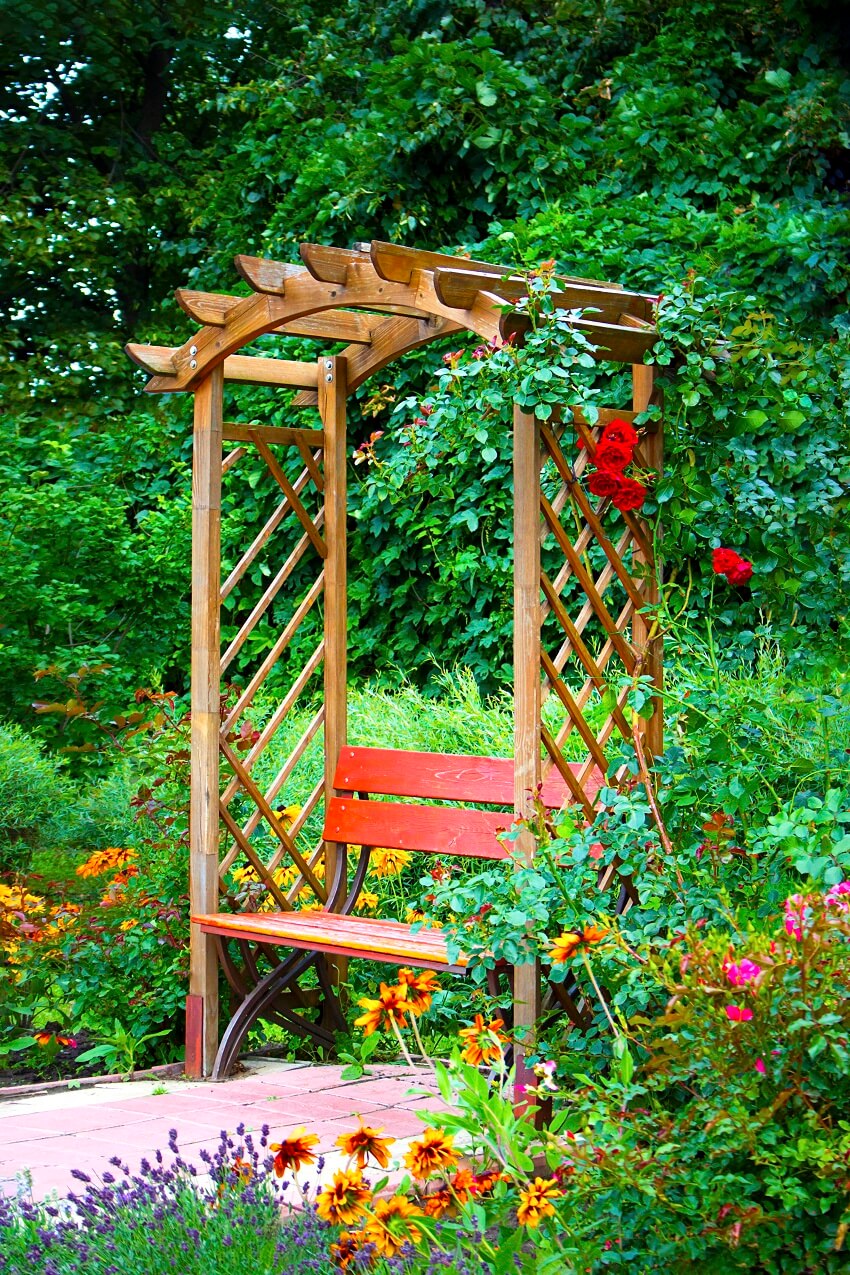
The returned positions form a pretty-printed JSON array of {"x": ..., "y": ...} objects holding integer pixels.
[
  {"x": 795, "y": 915},
  {"x": 760, "y": 1067},
  {"x": 738, "y": 1014},
  {"x": 833, "y": 897},
  {"x": 744, "y": 972}
]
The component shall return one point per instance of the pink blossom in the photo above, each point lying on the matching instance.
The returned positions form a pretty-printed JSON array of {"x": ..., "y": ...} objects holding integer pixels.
[
  {"x": 795, "y": 915},
  {"x": 760, "y": 1067},
  {"x": 833, "y": 897},
  {"x": 744, "y": 972},
  {"x": 738, "y": 1014}
]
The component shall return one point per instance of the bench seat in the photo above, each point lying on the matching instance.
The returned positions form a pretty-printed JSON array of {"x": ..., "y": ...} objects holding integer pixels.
[{"x": 369, "y": 938}]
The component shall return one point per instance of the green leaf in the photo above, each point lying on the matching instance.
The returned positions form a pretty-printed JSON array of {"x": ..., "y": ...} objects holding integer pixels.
[{"x": 485, "y": 93}]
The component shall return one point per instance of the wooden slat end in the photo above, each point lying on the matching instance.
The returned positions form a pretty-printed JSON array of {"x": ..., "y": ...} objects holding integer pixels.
[
  {"x": 157, "y": 359},
  {"x": 264, "y": 275},
  {"x": 206, "y": 307},
  {"x": 329, "y": 265}
]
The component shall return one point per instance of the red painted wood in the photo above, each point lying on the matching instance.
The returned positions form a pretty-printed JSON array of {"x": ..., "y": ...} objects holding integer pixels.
[
  {"x": 195, "y": 1037},
  {"x": 394, "y": 772},
  {"x": 432, "y": 829},
  {"x": 390, "y": 942}
]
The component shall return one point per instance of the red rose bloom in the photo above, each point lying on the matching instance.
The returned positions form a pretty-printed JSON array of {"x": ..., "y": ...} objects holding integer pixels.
[
  {"x": 618, "y": 431},
  {"x": 729, "y": 563},
  {"x": 740, "y": 573},
  {"x": 605, "y": 482},
  {"x": 613, "y": 455},
  {"x": 631, "y": 495},
  {"x": 723, "y": 560}
]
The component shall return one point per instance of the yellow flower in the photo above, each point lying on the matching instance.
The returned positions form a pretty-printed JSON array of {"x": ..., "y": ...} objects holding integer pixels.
[
  {"x": 14, "y": 898},
  {"x": 345, "y": 1200},
  {"x": 295, "y": 1150},
  {"x": 245, "y": 876},
  {"x": 389, "y": 1228},
  {"x": 288, "y": 815},
  {"x": 568, "y": 943},
  {"x": 535, "y": 1201},
  {"x": 113, "y": 859},
  {"x": 482, "y": 1041},
  {"x": 365, "y": 1142},
  {"x": 366, "y": 901},
  {"x": 420, "y": 987},
  {"x": 129, "y": 924},
  {"x": 412, "y": 915},
  {"x": 390, "y": 1007},
  {"x": 433, "y": 1151},
  {"x": 388, "y": 863}
]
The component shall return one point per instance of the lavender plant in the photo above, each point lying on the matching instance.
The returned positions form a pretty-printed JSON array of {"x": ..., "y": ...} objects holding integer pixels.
[{"x": 171, "y": 1218}]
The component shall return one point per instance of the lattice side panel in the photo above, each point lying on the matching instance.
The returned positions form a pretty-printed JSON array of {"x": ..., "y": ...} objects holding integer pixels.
[
  {"x": 608, "y": 555},
  {"x": 269, "y": 860}
]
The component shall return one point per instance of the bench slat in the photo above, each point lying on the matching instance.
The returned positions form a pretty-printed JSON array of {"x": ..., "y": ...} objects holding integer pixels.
[
  {"x": 395, "y": 772},
  {"x": 368, "y": 938},
  {"x": 432, "y": 829}
]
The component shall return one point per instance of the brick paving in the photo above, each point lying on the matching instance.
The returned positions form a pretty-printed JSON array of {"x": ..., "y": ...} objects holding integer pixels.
[{"x": 44, "y": 1136}]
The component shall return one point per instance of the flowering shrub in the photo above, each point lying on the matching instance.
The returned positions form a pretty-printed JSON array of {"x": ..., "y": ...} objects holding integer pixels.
[
  {"x": 716, "y": 1139},
  {"x": 107, "y": 966}
]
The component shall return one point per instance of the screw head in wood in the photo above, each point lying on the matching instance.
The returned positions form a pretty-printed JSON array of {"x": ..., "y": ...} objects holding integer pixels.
[
  {"x": 329, "y": 377},
  {"x": 193, "y": 349},
  {"x": 193, "y": 363},
  {"x": 329, "y": 365}
]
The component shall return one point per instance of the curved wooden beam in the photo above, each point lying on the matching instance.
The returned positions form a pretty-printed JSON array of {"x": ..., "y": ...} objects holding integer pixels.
[
  {"x": 302, "y": 296},
  {"x": 397, "y": 336},
  {"x": 432, "y": 295}
]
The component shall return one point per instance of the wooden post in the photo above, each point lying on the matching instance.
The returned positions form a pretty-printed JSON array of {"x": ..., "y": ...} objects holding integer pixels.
[
  {"x": 202, "y": 1005},
  {"x": 643, "y": 380},
  {"x": 333, "y": 390},
  {"x": 527, "y": 700}
]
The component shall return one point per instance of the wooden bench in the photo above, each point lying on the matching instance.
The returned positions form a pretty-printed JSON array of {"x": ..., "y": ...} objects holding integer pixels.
[{"x": 354, "y": 818}]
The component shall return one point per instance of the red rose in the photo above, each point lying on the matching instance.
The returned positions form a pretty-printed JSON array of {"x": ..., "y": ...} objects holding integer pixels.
[
  {"x": 631, "y": 495},
  {"x": 740, "y": 573},
  {"x": 613, "y": 455},
  {"x": 723, "y": 560},
  {"x": 605, "y": 482},
  {"x": 618, "y": 431}
]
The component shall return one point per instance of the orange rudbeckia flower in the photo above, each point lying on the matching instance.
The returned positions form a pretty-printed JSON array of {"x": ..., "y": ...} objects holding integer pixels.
[
  {"x": 482, "y": 1041},
  {"x": 345, "y": 1200},
  {"x": 343, "y": 1251},
  {"x": 420, "y": 986},
  {"x": 295, "y": 1150},
  {"x": 390, "y": 1228},
  {"x": 568, "y": 943},
  {"x": 431, "y": 1152},
  {"x": 365, "y": 1142},
  {"x": 535, "y": 1201},
  {"x": 389, "y": 1007}
]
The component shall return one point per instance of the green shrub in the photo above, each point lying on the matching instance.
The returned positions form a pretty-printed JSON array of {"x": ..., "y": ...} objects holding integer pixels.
[{"x": 32, "y": 789}]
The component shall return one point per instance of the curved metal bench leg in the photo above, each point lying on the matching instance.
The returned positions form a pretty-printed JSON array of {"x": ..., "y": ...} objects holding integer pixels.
[
  {"x": 252, "y": 1007},
  {"x": 333, "y": 1019}
]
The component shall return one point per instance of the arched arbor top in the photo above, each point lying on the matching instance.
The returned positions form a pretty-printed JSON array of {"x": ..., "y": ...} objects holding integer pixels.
[{"x": 381, "y": 300}]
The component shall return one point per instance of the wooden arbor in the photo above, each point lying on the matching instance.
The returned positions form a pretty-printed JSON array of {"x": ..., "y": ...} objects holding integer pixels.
[{"x": 380, "y": 301}]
